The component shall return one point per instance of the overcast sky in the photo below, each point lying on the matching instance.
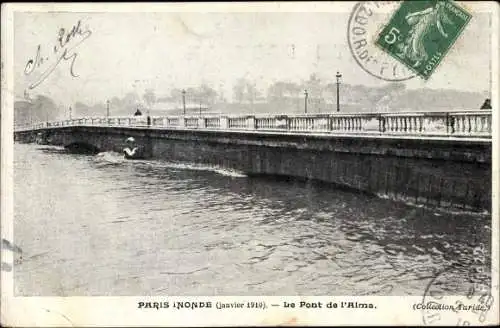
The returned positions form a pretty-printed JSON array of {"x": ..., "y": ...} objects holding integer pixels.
[{"x": 133, "y": 51}]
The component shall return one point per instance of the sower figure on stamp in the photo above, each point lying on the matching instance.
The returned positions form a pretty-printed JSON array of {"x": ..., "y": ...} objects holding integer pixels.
[{"x": 421, "y": 22}]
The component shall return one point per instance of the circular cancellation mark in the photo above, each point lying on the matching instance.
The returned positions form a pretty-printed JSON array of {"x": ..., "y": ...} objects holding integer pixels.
[
  {"x": 460, "y": 294},
  {"x": 365, "y": 22}
]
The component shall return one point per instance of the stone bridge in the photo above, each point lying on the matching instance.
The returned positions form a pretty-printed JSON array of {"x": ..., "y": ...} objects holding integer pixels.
[{"x": 439, "y": 159}]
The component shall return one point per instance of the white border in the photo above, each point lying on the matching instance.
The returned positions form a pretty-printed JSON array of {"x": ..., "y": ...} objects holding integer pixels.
[{"x": 122, "y": 311}]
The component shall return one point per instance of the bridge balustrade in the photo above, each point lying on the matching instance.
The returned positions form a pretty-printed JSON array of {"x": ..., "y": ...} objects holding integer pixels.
[
  {"x": 463, "y": 123},
  {"x": 158, "y": 121},
  {"x": 412, "y": 123},
  {"x": 347, "y": 124},
  {"x": 470, "y": 123},
  {"x": 191, "y": 122},
  {"x": 237, "y": 122},
  {"x": 266, "y": 123},
  {"x": 173, "y": 121},
  {"x": 212, "y": 122}
]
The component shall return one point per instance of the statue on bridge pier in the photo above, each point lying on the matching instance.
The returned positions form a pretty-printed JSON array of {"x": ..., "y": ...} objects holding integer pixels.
[{"x": 133, "y": 151}]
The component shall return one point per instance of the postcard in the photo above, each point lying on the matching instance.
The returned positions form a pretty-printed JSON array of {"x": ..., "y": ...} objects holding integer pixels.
[{"x": 249, "y": 164}]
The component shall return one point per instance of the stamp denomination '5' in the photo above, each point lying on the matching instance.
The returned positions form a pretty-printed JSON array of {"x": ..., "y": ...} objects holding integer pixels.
[{"x": 420, "y": 33}]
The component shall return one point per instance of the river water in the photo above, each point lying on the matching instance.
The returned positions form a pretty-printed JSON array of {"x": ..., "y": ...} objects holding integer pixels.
[{"x": 102, "y": 225}]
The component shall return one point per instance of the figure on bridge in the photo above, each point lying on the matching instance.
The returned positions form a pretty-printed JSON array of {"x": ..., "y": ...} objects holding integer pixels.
[
  {"x": 486, "y": 104},
  {"x": 137, "y": 112}
]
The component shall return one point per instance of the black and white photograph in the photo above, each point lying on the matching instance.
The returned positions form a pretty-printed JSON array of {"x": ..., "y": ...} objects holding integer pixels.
[{"x": 273, "y": 152}]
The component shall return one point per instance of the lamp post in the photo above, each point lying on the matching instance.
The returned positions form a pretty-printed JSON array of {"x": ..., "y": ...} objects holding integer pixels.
[
  {"x": 107, "y": 109},
  {"x": 200, "y": 107},
  {"x": 338, "y": 76},
  {"x": 305, "y": 101},
  {"x": 70, "y": 112},
  {"x": 184, "y": 101}
]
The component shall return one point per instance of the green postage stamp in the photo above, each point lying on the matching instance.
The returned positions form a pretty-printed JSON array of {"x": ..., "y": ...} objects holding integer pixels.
[{"x": 420, "y": 33}]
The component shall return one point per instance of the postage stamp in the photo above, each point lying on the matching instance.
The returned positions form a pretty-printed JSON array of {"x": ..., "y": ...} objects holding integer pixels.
[
  {"x": 363, "y": 27},
  {"x": 420, "y": 33}
]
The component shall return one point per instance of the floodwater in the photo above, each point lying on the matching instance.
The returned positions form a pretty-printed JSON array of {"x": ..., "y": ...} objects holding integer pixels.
[{"x": 101, "y": 225}]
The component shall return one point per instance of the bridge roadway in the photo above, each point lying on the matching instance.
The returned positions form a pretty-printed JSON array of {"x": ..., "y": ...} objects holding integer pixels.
[{"x": 439, "y": 159}]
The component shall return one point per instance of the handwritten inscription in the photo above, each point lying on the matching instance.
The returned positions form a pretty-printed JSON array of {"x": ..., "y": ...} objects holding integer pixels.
[{"x": 42, "y": 65}]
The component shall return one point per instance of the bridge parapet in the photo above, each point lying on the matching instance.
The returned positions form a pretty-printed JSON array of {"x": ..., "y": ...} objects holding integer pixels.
[{"x": 458, "y": 123}]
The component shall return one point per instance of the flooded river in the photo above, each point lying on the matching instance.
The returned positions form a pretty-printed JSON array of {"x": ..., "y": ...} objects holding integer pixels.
[{"x": 101, "y": 225}]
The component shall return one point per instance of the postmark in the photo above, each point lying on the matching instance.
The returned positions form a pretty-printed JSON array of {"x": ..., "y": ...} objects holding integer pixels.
[
  {"x": 420, "y": 33},
  {"x": 468, "y": 302},
  {"x": 364, "y": 25}
]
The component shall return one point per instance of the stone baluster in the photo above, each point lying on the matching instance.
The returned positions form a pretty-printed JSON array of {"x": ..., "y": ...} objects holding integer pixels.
[
  {"x": 223, "y": 122},
  {"x": 251, "y": 122},
  {"x": 458, "y": 124},
  {"x": 201, "y": 123},
  {"x": 474, "y": 125}
]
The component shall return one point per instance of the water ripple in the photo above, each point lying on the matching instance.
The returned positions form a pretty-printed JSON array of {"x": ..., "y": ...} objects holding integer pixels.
[{"x": 106, "y": 226}]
